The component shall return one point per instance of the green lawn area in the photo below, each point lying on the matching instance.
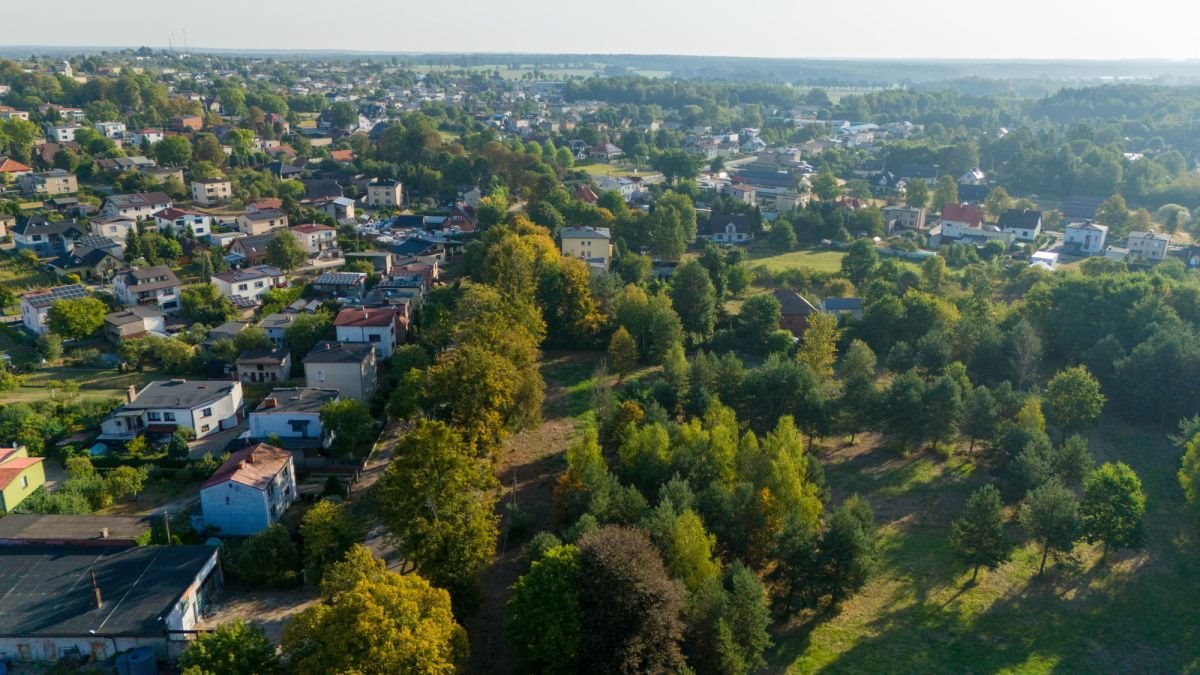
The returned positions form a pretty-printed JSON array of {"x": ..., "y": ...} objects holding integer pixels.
[
  {"x": 822, "y": 261},
  {"x": 1137, "y": 613},
  {"x": 611, "y": 169},
  {"x": 93, "y": 382},
  {"x": 16, "y": 276}
]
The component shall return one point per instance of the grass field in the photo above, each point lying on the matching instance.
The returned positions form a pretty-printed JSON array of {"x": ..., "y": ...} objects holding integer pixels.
[
  {"x": 611, "y": 169},
  {"x": 822, "y": 261},
  {"x": 17, "y": 277},
  {"x": 93, "y": 383},
  {"x": 1137, "y": 613}
]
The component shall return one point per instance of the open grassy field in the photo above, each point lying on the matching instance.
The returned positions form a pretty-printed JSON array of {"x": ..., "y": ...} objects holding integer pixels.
[
  {"x": 1137, "y": 613},
  {"x": 822, "y": 261},
  {"x": 93, "y": 382},
  {"x": 17, "y": 277},
  {"x": 611, "y": 169}
]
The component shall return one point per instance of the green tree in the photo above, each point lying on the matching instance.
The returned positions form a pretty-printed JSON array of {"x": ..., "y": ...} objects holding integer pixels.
[
  {"x": 1074, "y": 399},
  {"x": 818, "y": 344},
  {"x": 944, "y": 192},
  {"x": 826, "y": 186},
  {"x": 76, "y": 319},
  {"x": 623, "y": 352},
  {"x": 305, "y": 331},
  {"x": 916, "y": 193},
  {"x": 327, "y": 532},
  {"x": 783, "y": 236},
  {"x": 285, "y": 251},
  {"x": 848, "y": 550},
  {"x": 997, "y": 202},
  {"x": 544, "y": 623},
  {"x": 343, "y": 115},
  {"x": 689, "y": 554},
  {"x": 694, "y": 299},
  {"x": 944, "y": 409},
  {"x": 1050, "y": 515},
  {"x": 672, "y": 225},
  {"x": 980, "y": 414},
  {"x": 1113, "y": 506},
  {"x": 173, "y": 151},
  {"x": 760, "y": 317},
  {"x": 1189, "y": 472},
  {"x": 436, "y": 499},
  {"x": 351, "y": 425},
  {"x": 204, "y": 304},
  {"x": 236, "y": 648},
  {"x": 860, "y": 261},
  {"x": 977, "y": 537}
]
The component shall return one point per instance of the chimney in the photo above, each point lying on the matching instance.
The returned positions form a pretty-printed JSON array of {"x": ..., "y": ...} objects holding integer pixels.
[
  {"x": 269, "y": 402},
  {"x": 96, "y": 591},
  {"x": 104, "y": 533},
  {"x": 131, "y": 394}
]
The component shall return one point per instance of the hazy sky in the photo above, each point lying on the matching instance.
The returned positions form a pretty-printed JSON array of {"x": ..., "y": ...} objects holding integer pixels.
[{"x": 1090, "y": 29}]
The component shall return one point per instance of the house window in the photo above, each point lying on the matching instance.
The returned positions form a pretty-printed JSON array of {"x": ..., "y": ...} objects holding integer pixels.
[
  {"x": 207, "y": 412},
  {"x": 227, "y": 500},
  {"x": 154, "y": 417},
  {"x": 372, "y": 338},
  {"x": 242, "y": 287},
  {"x": 259, "y": 284},
  {"x": 169, "y": 416},
  {"x": 204, "y": 428},
  {"x": 24, "y": 481},
  {"x": 320, "y": 376}
]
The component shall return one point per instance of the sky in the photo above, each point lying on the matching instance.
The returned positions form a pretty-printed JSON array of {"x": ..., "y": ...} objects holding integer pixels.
[{"x": 953, "y": 29}]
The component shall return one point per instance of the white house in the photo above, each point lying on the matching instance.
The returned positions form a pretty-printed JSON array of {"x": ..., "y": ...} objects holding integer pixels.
[
  {"x": 157, "y": 286},
  {"x": 61, "y": 133},
  {"x": 35, "y": 305},
  {"x": 379, "y": 326},
  {"x": 316, "y": 239},
  {"x": 1150, "y": 246},
  {"x": 261, "y": 222},
  {"x": 147, "y": 136},
  {"x": 1024, "y": 224},
  {"x": 204, "y": 406},
  {"x": 625, "y": 187},
  {"x": 293, "y": 415},
  {"x": 112, "y": 130},
  {"x": 727, "y": 228},
  {"x": 211, "y": 191},
  {"x": 139, "y": 206},
  {"x": 246, "y": 287},
  {"x": 114, "y": 227},
  {"x": 178, "y": 219},
  {"x": 255, "y": 366},
  {"x": 1086, "y": 237},
  {"x": 250, "y": 492}
]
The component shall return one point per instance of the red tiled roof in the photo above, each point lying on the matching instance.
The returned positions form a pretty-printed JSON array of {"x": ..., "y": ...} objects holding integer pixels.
[
  {"x": 255, "y": 466},
  {"x": 342, "y": 155},
  {"x": 13, "y": 166},
  {"x": 309, "y": 228},
  {"x": 969, "y": 213},
  {"x": 172, "y": 213},
  {"x": 365, "y": 317}
]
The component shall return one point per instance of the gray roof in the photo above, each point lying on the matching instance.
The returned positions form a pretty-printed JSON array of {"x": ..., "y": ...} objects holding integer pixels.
[
  {"x": 180, "y": 393},
  {"x": 139, "y": 200},
  {"x": 150, "y": 278},
  {"x": 131, "y": 315},
  {"x": 32, "y": 527},
  {"x": 842, "y": 304},
  {"x": 585, "y": 233},
  {"x": 1150, "y": 235},
  {"x": 249, "y": 274},
  {"x": 340, "y": 352},
  {"x": 47, "y": 590},
  {"x": 340, "y": 279},
  {"x": 272, "y": 357},
  {"x": 51, "y": 295},
  {"x": 297, "y": 400},
  {"x": 277, "y": 320}
]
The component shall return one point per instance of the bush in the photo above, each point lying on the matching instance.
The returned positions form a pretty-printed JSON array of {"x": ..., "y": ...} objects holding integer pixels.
[{"x": 269, "y": 559}]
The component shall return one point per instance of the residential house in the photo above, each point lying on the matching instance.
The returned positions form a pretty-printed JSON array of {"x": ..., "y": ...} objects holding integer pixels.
[
  {"x": 1148, "y": 246},
  {"x": 35, "y": 305},
  {"x": 9, "y": 112},
  {"x": 112, "y": 130},
  {"x": 260, "y": 222},
  {"x": 926, "y": 172},
  {"x": 134, "y": 322},
  {"x": 20, "y": 476},
  {"x": 903, "y": 218},
  {"x": 974, "y": 176},
  {"x": 385, "y": 194},
  {"x": 338, "y": 208},
  {"x": 250, "y": 492},
  {"x": 6, "y": 223},
  {"x": 95, "y": 604},
  {"x": 251, "y": 250},
  {"x": 11, "y": 168},
  {"x": 139, "y": 206},
  {"x": 587, "y": 243},
  {"x": 144, "y": 137},
  {"x": 741, "y": 193},
  {"x": 245, "y": 287},
  {"x": 211, "y": 191},
  {"x": 462, "y": 218},
  {"x": 348, "y": 367},
  {"x": 264, "y": 365},
  {"x": 794, "y": 310},
  {"x": 1085, "y": 238},
  {"x": 963, "y": 215},
  {"x": 276, "y": 326},
  {"x": 317, "y": 240},
  {"x": 380, "y": 260},
  {"x": 791, "y": 200},
  {"x": 46, "y": 238},
  {"x": 292, "y": 415},
  {"x": 92, "y": 261},
  {"x": 621, "y": 185},
  {"x": 844, "y": 308},
  {"x": 605, "y": 152},
  {"x": 204, "y": 406},
  {"x": 1024, "y": 224},
  {"x": 186, "y": 123},
  {"x": 62, "y": 132},
  {"x": 585, "y": 194},
  {"x": 341, "y": 284},
  {"x": 226, "y": 331},
  {"x": 727, "y": 228},
  {"x": 53, "y": 182},
  {"x": 116, "y": 228},
  {"x": 156, "y": 286},
  {"x": 385, "y": 328},
  {"x": 180, "y": 220}
]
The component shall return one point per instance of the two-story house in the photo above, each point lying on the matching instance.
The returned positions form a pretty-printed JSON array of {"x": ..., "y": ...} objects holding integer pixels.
[
  {"x": 292, "y": 415},
  {"x": 385, "y": 194},
  {"x": 250, "y": 492},
  {"x": 1148, "y": 246},
  {"x": 1085, "y": 238},
  {"x": 727, "y": 228},
  {"x": 255, "y": 366},
  {"x": 48, "y": 239},
  {"x": 381, "y": 327},
  {"x": 156, "y": 286},
  {"x": 92, "y": 258},
  {"x": 20, "y": 476},
  {"x": 113, "y": 130},
  {"x": 349, "y": 367},
  {"x": 134, "y": 322},
  {"x": 587, "y": 243},
  {"x": 139, "y": 206},
  {"x": 1024, "y": 224},
  {"x": 180, "y": 220},
  {"x": 251, "y": 249},
  {"x": 211, "y": 191},
  {"x": 245, "y": 287},
  {"x": 53, "y": 182},
  {"x": 320, "y": 241},
  {"x": 116, "y": 228},
  {"x": 145, "y": 137},
  {"x": 35, "y": 305},
  {"x": 204, "y": 406},
  {"x": 338, "y": 208},
  {"x": 903, "y": 218},
  {"x": 276, "y": 326},
  {"x": 261, "y": 222},
  {"x": 62, "y": 132}
]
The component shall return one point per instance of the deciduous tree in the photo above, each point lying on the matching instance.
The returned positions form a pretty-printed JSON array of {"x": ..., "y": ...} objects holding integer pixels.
[
  {"x": 78, "y": 318},
  {"x": 1113, "y": 506},
  {"x": 236, "y": 647}
]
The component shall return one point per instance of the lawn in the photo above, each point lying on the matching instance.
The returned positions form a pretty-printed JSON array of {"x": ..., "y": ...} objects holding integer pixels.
[
  {"x": 610, "y": 169},
  {"x": 822, "y": 261},
  {"x": 16, "y": 276},
  {"x": 919, "y": 614},
  {"x": 93, "y": 382}
]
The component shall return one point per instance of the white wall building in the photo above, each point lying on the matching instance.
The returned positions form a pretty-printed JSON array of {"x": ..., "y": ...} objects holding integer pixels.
[
  {"x": 246, "y": 286},
  {"x": 250, "y": 492},
  {"x": 204, "y": 406},
  {"x": 293, "y": 415}
]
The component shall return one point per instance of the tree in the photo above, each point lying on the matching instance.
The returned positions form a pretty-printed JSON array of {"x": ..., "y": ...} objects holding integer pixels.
[
  {"x": 783, "y": 236},
  {"x": 848, "y": 550},
  {"x": 826, "y": 186},
  {"x": 173, "y": 151},
  {"x": 285, "y": 251},
  {"x": 633, "y": 608},
  {"x": 544, "y": 623},
  {"x": 746, "y": 619},
  {"x": 76, "y": 319},
  {"x": 1113, "y": 506},
  {"x": 944, "y": 408},
  {"x": 694, "y": 299},
  {"x": 237, "y": 648},
  {"x": 1050, "y": 514},
  {"x": 305, "y": 331},
  {"x": 1189, "y": 472},
  {"x": 327, "y": 533},
  {"x": 1116, "y": 215},
  {"x": 997, "y": 202},
  {"x": 677, "y": 164},
  {"x": 689, "y": 554},
  {"x": 1074, "y": 399},
  {"x": 980, "y": 415},
  {"x": 343, "y": 115},
  {"x": 977, "y": 537},
  {"x": 351, "y": 425},
  {"x": 623, "y": 352},
  {"x": 204, "y": 304},
  {"x": 818, "y": 344},
  {"x": 916, "y": 193},
  {"x": 395, "y": 623},
  {"x": 672, "y": 225},
  {"x": 944, "y": 192},
  {"x": 436, "y": 500},
  {"x": 269, "y": 559},
  {"x": 760, "y": 317},
  {"x": 208, "y": 149},
  {"x": 860, "y": 261}
]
